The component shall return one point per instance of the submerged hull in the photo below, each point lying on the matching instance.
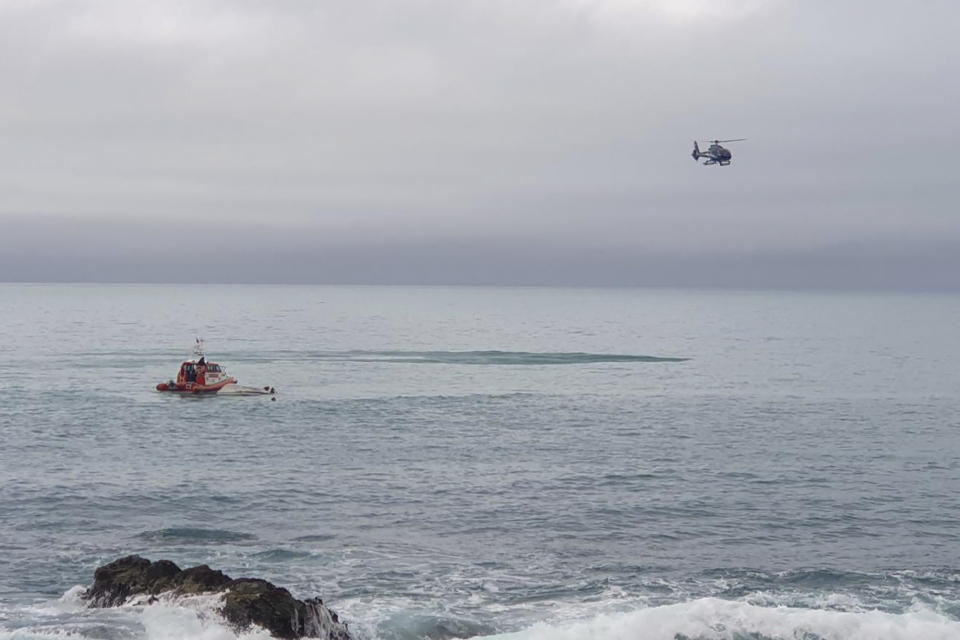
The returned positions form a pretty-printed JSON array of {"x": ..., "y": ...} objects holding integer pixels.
[
  {"x": 193, "y": 387},
  {"x": 238, "y": 390}
]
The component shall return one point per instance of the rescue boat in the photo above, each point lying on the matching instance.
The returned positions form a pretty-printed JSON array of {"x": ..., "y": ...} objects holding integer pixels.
[{"x": 200, "y": 376}]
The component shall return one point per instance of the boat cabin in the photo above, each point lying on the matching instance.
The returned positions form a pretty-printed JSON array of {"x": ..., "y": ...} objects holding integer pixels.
[{"x": 200, "y": 372}]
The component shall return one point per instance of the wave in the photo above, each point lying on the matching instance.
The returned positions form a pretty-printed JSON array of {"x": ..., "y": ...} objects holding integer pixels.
[
  {"x": 139, "y": 360},
  {"x": 316, "y": 537},
  {"x": 716, "y": 619},
  {"x": 482, "y": 357},
  {"x": 425, "y": 626},
  {"x": 194, "y": 617},
  {"x": 194, "y": 534},
  {"x": 282, "y": 555},
  {"x": 197, "y": 618}
]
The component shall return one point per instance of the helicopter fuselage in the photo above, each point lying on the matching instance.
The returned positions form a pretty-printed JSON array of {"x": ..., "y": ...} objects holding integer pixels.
[
  {"x": 715, "y": 153},
  {"x": 718, "y": 153}
]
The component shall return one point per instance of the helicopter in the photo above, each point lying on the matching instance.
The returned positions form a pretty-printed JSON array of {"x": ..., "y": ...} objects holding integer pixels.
[{"x": 716, "y": 154}]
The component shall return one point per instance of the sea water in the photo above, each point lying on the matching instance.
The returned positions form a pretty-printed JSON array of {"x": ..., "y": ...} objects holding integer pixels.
[{"x": 516, "y": 463}]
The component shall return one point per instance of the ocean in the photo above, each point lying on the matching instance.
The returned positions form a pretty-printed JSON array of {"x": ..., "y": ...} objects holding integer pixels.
[{"x": 512, "y": 463}]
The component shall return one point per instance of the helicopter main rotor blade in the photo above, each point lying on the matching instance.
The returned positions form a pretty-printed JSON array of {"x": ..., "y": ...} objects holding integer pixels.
[{"x": 731, "y": 140}]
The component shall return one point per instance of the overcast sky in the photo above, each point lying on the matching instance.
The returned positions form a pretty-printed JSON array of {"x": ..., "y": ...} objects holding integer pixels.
[{"x": 481, "y": 141}]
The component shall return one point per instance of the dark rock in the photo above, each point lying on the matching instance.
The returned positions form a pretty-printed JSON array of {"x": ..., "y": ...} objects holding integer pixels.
[
  {"x": 246, "y": 601},
  {"x": 115, "y": 582},
  {"x": 257, "y": 601},
  {"x": 201, "y": 579}
]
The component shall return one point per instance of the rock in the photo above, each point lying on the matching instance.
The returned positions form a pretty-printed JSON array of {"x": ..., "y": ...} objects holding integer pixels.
[
  {"x": 115, "y": 582},
  {"x": 201, "y": 579},
  {"x": 259, "y": 602},
  {"x": 246, "y": 601}
]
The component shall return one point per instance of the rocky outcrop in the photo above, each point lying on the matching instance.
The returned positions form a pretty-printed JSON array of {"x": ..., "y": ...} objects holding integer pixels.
[{"x": 246, "y": 601}]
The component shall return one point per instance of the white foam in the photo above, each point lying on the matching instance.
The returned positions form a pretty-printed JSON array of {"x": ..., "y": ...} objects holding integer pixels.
[
  {"x": 188, "y": 617},
  {"x": 715, "y": 619},
  {"x": 195, "y": 618},
  {"x": 71, "y": 601},
  {"x": 824, "y": 600},
  {"x": 73, "y": 596},
  {"x": 166, "y": 618},
  {"x": 36, "y": 634}
]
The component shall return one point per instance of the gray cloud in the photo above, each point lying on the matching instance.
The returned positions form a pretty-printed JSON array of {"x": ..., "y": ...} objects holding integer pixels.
[{"x": 480, "y": 141}]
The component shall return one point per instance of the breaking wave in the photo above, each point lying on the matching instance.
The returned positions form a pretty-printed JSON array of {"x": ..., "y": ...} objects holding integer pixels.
[
  {"x": 709, "y": 618},
  {"x": 716, "y": 619},
  {"x": 194, "y": 618},
  {"x": 170, "y": 618}
]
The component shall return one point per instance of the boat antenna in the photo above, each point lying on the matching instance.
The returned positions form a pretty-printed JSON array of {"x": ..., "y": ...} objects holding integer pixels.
[{"x": 198, "y": 347}]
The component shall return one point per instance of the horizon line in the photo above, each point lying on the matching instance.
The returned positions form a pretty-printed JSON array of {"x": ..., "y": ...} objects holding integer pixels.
[{"x": 476, "y": 285}]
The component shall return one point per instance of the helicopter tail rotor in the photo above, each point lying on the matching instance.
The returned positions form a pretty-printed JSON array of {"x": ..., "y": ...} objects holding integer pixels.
[{"x": 696, "y": 151}]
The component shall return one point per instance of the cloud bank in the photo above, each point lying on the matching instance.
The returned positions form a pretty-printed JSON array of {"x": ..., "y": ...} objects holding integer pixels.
[{"x": 480, "y": 142}]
